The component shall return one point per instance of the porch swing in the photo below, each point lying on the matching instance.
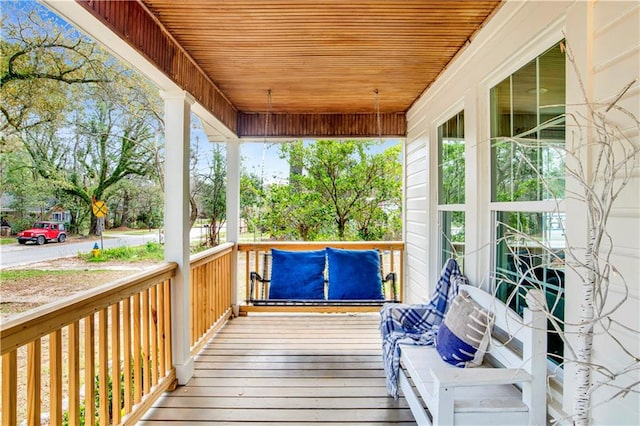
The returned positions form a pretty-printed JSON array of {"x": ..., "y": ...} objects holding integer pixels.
[{"x": 334, "y": 275}]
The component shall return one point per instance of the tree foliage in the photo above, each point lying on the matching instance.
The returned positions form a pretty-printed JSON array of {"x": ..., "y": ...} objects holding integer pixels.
[
  {"x": 86, "y": 122},
  {"x": 339, "y": 183}
]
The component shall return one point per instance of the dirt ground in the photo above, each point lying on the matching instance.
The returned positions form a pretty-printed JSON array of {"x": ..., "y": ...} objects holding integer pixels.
[{"x": 68, "y": 276}]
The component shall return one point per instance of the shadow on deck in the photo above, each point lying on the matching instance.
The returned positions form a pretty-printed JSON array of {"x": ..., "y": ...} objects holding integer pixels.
[{"x": 309, "y": 369}]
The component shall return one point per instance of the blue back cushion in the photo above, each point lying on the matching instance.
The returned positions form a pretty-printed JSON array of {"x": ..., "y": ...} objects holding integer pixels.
[
  {"x": 354, "y": 274},
  {"x": 297, "y": 275}
]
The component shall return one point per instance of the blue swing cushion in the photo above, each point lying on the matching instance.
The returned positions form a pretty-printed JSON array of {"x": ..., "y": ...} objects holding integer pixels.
[
  {"x": 354, "y": 274},
  {"x": 297, "y": 275}
]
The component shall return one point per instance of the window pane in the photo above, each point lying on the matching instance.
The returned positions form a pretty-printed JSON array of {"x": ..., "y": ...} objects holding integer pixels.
[
  {"x": 527, "y": 170},
  {"x": 451, "y": 161},
  {"x": 501, "y": 109},
  {"x": 530, "y": 254},
  {"x": 528, "y": 131},
  {"x": 552, "y": 93},
  {"x": 452, "y": 231},
  {"x": 525, "y": 99}
]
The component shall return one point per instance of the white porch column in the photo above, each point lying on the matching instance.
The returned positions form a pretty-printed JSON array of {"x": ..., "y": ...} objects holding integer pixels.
[
  {"x": 233, "y": 211},
  {"x": 177, "y": 108}
]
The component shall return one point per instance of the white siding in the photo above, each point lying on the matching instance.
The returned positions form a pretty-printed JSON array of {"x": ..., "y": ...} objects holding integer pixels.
[
  {"x": 415, "y": 223},
  {"x": 605, "y": 38}
]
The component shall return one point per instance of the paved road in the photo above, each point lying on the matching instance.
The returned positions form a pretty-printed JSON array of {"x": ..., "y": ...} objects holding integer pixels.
[{"x": 16, "y": 254}]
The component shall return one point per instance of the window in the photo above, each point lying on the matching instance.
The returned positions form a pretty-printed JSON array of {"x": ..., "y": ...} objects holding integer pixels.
[
  {"x": 527, "y": 180},
  {"x": 451, "y": 188}
]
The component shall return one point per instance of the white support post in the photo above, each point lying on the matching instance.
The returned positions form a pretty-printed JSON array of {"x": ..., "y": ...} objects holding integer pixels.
[
  {"x": 233, "y": 213},
  {"x": 177, "y": 108}
]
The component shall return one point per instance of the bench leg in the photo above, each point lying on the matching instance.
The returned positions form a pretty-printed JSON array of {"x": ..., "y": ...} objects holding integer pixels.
[
  {"x": 443, "y": 414},
  {"x": 415, "y": 404}
]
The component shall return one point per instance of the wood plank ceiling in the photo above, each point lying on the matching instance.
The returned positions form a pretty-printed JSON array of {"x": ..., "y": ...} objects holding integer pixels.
[{"x": 322, "y": 57}]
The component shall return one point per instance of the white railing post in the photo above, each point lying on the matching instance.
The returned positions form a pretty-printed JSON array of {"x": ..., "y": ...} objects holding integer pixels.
[
  {"x": 233, "y": 212},
  {"x": 177, "y": 109}
]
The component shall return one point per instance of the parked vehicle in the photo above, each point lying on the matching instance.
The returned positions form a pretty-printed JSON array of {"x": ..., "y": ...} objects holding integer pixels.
[{"x": 42, "y": 232}]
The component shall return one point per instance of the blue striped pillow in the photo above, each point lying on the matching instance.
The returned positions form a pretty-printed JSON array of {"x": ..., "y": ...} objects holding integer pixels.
[{"x": 464, "y": 334}]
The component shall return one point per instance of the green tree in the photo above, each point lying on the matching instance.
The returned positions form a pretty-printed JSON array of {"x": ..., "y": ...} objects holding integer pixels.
[
  {"x": 293, "y": 213},
  {"x": 376, "y": 216},
  {"x": 251, "y": 199},
  {"x": 41, "y": 60},
  {"x": 213, "y": 193},
  {"x": 352, "y": 183},
  {"x": 85, "y": 120}
]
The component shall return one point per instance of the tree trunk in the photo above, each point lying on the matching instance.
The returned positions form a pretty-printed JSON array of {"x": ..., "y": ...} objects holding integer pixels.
[
  {"x": 126, "y": 201},
  {"x": 213, "y": 232},
  {"x": 342, "y": 224},
  {"x": 584, "y": 346},
  {"x": 193, "y": 214},
  {"x": 73, "y": 222},
  {"x": 94, "y": 225}
]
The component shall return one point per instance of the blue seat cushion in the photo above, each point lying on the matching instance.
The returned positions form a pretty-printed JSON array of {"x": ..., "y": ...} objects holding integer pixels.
[
  {"x": 297, "y": 275},
  {"x": 354, "y": 274}
]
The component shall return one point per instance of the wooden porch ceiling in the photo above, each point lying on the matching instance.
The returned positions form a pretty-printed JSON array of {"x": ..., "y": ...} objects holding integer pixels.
[{"x": 322, "y": 59}]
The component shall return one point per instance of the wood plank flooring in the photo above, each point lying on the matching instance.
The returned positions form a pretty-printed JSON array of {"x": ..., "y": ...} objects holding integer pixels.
[{"x": 305, "y": 369}]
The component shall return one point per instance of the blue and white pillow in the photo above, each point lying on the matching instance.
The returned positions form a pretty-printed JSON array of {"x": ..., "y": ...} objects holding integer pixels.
[{"x": 464, "y": 334}]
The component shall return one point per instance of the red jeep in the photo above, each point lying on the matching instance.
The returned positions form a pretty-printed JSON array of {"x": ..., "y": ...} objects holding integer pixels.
[{"x": 42, "y": 232}]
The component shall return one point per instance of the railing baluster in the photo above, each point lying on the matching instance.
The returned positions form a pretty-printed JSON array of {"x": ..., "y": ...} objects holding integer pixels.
[
  {"x": 167, "y": 324},
  {"x": 194, "y": 312},
  {"x": 154, "y": 335},
  {"x": 212, "y": 312},
  {"x": 126, "y": 354},
  {"x": 74, "y": 373},
  {"x": 34, "y": 367},
  {"x": 146, "y": 374},
  {"x": 161, "y": 337},
  {"x": 89, "y": 370},
  {"x": 10, "y": 388},
  {"x": 103, "y": 365},
  {"x": 55, "y": 378},
  {"x": 137, "y": 352},
  {"x": 115, "y": 364}
]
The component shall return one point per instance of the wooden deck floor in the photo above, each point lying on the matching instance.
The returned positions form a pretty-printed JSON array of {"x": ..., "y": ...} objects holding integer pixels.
[{"x": 278, "y": 369}]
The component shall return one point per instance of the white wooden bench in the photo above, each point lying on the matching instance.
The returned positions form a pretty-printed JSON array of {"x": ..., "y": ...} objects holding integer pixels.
[{"x": 508, "y": 389}]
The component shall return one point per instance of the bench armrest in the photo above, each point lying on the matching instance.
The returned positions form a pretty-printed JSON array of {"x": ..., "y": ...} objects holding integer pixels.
[{"x": 458, "y": 377}]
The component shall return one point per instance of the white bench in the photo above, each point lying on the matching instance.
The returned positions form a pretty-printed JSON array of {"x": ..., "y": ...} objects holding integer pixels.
[{"x": 508, "y": 389}]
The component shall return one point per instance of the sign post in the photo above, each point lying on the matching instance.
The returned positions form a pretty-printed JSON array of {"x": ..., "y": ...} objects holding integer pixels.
[{"x": 100, "y": 210}]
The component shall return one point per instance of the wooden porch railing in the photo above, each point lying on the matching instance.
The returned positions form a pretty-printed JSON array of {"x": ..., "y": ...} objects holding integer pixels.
[
  {"x": 113, "y": 342},
  {"x": 250, "y": 257},
  {"x": 210, "y": 277},
  {"x": 69, "y": 353}
]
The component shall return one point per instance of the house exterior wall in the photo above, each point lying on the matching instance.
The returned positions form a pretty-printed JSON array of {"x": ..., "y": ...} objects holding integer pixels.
[{"x": 604, "y": 36}]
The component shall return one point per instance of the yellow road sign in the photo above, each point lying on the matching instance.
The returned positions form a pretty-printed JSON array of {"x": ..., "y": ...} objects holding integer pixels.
[{"x": 99, "y": 208}]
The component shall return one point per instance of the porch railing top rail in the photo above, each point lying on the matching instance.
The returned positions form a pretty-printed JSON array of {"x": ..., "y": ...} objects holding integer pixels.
[
  {"x": 315, "y": 245},
  {"x": 41, "y": 321},
  {"x": 210, "y": 254}
]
